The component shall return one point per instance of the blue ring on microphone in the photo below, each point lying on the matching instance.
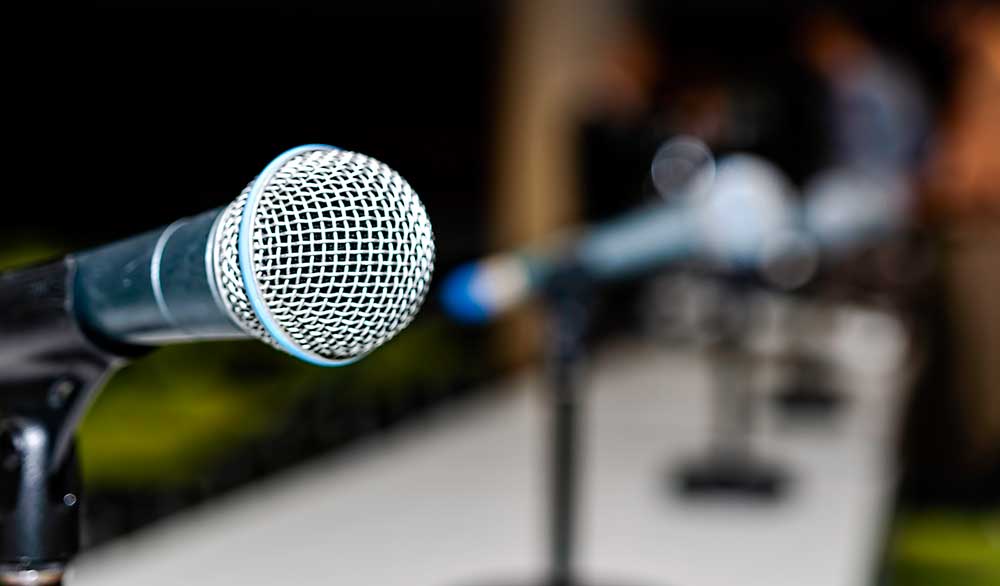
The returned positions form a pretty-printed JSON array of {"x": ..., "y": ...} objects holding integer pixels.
[{"x": 246, "y": 260}]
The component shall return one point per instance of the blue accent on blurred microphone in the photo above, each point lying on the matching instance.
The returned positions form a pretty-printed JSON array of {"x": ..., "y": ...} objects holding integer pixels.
[
  {"x": 620, "y": 249},
  {"x": 457, "y": 298}
]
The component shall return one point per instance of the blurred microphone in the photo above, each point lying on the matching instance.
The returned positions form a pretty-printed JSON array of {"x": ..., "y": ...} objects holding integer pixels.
[
  {"x": 728, "y": 224},
  {"x": 326, "y": 255},
  {"x": 848, "y": 208}
]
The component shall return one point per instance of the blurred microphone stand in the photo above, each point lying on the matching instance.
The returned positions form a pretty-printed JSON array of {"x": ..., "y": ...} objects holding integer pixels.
[
  {"x": 569, "y": 297},
  {"x": 49, "y": 371},
  {"x": 568, "y": 300},
  {"x": 731, "y": 466},
  {"x": 808, "y": 392}
]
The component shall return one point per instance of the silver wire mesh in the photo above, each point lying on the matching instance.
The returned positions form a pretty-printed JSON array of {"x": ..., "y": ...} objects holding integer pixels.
[{"x": 342, "y": 251}]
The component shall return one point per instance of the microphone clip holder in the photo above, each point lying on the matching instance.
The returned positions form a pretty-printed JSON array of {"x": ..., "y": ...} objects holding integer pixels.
[{"x": 49, "y": 373}]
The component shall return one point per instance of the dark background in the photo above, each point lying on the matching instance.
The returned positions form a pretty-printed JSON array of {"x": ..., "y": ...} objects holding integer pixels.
[
  {"x": 171, "y": 111},
  {"x": 137, "y": 115}
]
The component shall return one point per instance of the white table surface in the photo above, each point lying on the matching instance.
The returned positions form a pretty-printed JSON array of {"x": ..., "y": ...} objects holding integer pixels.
[{"x": 458, "y": 497}]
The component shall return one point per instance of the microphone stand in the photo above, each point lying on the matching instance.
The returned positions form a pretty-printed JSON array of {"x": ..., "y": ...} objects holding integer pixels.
[
  {"x": 807, "y": 392},
  {"x": 568, "y": 316},
  {"x": 49, "y": 372},
  {"x": 568, "y": 298},
  {"x": 731, "y": 466}
]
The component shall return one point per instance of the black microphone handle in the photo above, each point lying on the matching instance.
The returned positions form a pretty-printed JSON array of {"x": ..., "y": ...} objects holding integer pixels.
[
  {"x": 151, "y": 289},
  {"x": 155, "y": 288}
]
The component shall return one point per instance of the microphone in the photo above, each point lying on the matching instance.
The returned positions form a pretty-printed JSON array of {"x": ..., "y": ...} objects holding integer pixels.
[
  {"x": 730, "y": 224},
  {"x": 848, "y": 208},
  {"x": 326, "y": 255}
]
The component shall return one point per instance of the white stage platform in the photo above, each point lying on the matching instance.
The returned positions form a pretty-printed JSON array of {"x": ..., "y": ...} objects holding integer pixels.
[{"x": 458, "y": 497}]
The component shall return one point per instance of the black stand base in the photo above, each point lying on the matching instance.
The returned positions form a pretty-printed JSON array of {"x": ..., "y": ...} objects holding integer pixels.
[
  {"x": 808, "y": 400},
  {"x": 810, "y": 390},
  {"x": 724, "y": 476},
  {"x": 553, "y": 582},
  {"x": 41, "y": 577}
]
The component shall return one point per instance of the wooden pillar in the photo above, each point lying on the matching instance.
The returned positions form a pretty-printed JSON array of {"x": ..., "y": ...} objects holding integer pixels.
[{"x": 549, "y": 47}]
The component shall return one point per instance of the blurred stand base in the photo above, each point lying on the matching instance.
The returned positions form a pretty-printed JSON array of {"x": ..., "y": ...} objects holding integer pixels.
[
  {"x": 731, "y": 467},
  {"x": 809, "y": 399},
  {"x": 556, "y": 581},
  {"x": 723, "y": 475},
  {"x": 809, "y": 393}
]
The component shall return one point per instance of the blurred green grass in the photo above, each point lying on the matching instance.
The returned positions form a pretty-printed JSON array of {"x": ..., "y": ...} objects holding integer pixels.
[
  {"x": 945, "y": 548},
  {"x": 24, "y": 250},
  {"x": 167, "y": 419}
]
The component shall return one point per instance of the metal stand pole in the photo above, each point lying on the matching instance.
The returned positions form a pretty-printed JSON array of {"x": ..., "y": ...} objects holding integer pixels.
[
  {"x": 733, "y": 407},
  {"x": 568, "y": 316},
  {"x": 568, "y": 299}
]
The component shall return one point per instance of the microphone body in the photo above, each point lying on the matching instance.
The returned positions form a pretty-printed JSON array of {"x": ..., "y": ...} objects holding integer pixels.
[
  {"x": 849, "y": 208},
  {"x": 747, "y": 221},
  {"x": 326, "y": 255},
  {"x": 152, "y": 289},
  {"x": 627, "y": 246},
  {"x": 155, "y": 288},
  {"x": 749, "y": 202}
]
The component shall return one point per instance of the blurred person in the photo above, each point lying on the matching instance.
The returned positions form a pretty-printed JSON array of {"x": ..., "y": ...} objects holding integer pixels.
[
  {"x": 879, "y": 117},
  {"x": 878, "y": 122}
]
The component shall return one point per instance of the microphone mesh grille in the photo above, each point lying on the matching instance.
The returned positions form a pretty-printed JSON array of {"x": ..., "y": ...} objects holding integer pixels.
[{"x": 342, "y": 253}]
